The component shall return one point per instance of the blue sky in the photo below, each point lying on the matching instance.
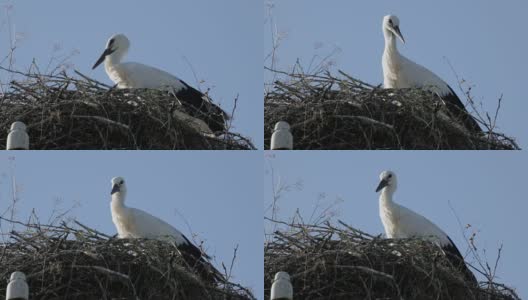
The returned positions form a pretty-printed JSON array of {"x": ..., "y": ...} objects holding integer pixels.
[
  {"x": 219, "y": 194},
  {"x": 485, "y": 189},
  {"x": 222, "y": 41},
  {"x": 483, "y": 42},
  {"x": 219, "y": 40}
]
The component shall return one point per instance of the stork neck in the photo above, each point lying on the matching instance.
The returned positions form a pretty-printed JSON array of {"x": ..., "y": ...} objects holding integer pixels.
[
  {"x": 111, "y": 61},
  {"x": 114, "y": 58},
  {"x": 390, "y": 43},
  {"x": 386, "y": 198},
  {"x": 118, "y": 201}
]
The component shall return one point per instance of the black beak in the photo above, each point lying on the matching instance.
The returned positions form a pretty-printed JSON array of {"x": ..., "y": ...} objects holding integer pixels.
[
  {"x": 383, "y": 183},
  {"x": 107, "y": 51},
  {"x": 398, "y": 33},
  {"x": 115, "y": 189}
]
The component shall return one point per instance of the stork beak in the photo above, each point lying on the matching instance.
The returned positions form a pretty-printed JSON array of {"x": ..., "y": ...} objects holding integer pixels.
[
  {"x": 115, "y": 189},
  {"x": 107, "y": 51},
  {"x": 398, "y": 33},
  {"x": 383, "y": 183}
]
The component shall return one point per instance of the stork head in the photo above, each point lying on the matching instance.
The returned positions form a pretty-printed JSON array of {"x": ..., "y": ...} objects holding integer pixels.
[
  {"x": 116, "y": 47},
  {"x": 387, "y": 181},
  {"x": 118, "y": 185},
  {"x": 391, "y": 24}
]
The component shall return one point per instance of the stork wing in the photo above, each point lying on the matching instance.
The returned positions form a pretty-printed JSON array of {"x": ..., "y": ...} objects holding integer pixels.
[
  {"x": 137, "y": 75},
  {"x": 457, "y": 108},
  {"x": 149, "y": 226},
  {"x": 416, "y": 225},
  {"x": 453, "y": 255},
  {"x": 420, "y": 226},
  {"x": 198, "y": 105},
  {"x": 421, "y": 77},
  {"x": 202, "y": 107},
  {"x": 198, "y": 260}
]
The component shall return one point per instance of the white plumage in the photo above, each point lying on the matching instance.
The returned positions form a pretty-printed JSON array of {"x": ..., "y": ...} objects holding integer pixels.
[
  {"x": 133, "y": 75},
  {"x": 400, "y": 222},
  {"x": 400, "y": 72},
  {"x": 135, "y": 223},
  {"x": 281, "y": 288}
]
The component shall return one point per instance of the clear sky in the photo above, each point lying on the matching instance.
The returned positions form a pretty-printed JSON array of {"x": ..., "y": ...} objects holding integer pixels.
[
  {"x": 219, "y": 194},
  {"x": 484, "y": 42},
  {"x": 485, "y": 189},
  {"x": 221, "y": 41}
]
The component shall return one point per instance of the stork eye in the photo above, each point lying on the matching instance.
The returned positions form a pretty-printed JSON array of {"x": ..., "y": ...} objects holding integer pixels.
[
  {"x": 390, "y": 21},
  {"x": 121, "y": 182},
  {"x": 390, "y": 175}
]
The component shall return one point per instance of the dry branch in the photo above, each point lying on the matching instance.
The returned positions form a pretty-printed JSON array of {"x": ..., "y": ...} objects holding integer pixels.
[
  {"x": 66, "y": 262},
  {"x": 329, "y": 262},
  {"x": 328, "y": 112},
  {"x": 62, "y": 112}
]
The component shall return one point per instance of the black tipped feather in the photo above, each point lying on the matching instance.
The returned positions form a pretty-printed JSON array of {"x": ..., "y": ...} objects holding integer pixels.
[
  {"x": 198, "y": 260},
  {"x": 456, "y": 259},
  {"x": 457, "y": 108},
  {"x": 202, "y": 108}
]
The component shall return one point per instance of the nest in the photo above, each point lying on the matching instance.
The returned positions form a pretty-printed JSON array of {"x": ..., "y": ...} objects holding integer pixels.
[
  {"x": 65, "y": 113},
  {"x": 326, "y": 262},
  {"x": 326, "y": 112},
  {"x": 61, "y": 262}
]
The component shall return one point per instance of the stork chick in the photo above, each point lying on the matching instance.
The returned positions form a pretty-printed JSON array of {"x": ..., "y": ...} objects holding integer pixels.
[
  {"x": 134, "y": 223},
  {"x": 400, "y": 72},
  {"x": 133, "y": 75},
  {"x": 400, "y": 223}
]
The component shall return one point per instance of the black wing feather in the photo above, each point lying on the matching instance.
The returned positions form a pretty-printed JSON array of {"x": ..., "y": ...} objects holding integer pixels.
[
  {"x": 191, "y": 249},
  {"x": 457, "y": 108},
  {"x": 455, "y": 257},
  {"x": 201, "y": 108},
  {"x": 198, "y": 260}
]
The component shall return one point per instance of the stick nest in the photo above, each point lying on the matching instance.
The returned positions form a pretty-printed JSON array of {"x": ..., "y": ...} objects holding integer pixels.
[
  {"x": 326, "y": 262},
  {"x": 326, "y": 112},
  {"x": 61, "y": 262},
  {"x": 65, "y": 113}
]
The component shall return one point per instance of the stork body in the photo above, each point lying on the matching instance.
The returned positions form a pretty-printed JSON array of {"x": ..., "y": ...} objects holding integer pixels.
[
  {"x": 133, "y": 75},
  {"x": 400, "y": 222},
  {"x": 135, "y": 223},
  {"x": 400, "y": 72}
]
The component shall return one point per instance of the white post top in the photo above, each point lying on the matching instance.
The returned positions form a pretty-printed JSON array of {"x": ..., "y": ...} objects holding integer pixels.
[
  {"x": 17, "y": 289},
  {"x": 17, "y": 139},
  {"x": 18, "y": 126},
  {"x": 17, "y": 275},
  {"x": 282, "y": 125},
  {"x": 281, "y": 139},
  {"x": 282, "y": 275},
  {"x": 281, "y": 289}
]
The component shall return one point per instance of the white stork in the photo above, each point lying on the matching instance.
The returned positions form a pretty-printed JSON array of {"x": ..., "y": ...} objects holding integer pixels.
[
  {"x": 400, "y": 222},
  {"x": 133, "y": 75},
  {"x": 400, "y": 72},
  {"x": 135, "y": 223}
]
